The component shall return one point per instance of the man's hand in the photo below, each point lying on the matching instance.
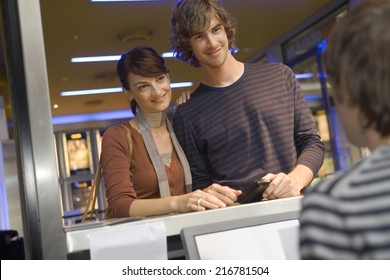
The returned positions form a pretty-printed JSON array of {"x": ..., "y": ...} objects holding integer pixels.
[
  {"x": 184, "y": 96},
  {"x": 287, "y": 185}
]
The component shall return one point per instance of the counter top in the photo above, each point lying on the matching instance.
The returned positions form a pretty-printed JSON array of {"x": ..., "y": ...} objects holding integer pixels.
[{"x": 77, "y": 240}]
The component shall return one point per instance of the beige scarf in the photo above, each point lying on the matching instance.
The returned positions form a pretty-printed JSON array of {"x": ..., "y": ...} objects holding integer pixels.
[{"x": 147, "y": 120}]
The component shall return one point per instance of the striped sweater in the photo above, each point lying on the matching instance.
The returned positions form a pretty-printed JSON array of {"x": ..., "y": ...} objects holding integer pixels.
[
  {"x": 348, "y": 216},
  {"x": 259, "y": 124}
]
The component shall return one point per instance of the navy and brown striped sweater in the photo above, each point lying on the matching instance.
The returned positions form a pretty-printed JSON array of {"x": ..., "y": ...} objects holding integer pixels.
[{"x": 241, "y": 132}]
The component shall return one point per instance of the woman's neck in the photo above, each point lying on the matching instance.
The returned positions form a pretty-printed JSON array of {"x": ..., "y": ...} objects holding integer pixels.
[{"x": 154, "y": 120}]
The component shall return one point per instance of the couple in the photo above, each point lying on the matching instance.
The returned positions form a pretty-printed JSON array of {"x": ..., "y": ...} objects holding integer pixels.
[{"x": 243, "y": 122}]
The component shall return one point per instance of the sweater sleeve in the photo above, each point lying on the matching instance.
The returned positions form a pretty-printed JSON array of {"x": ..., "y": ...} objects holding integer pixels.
[{"x": 116, "y": 171}]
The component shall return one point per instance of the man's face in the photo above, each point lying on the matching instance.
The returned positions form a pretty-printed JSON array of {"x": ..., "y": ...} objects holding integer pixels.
[{"x": 211, "y": 46}]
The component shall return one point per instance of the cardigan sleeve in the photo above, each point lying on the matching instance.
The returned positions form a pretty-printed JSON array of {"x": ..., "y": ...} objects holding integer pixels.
[{"x": 116, "y": 171}]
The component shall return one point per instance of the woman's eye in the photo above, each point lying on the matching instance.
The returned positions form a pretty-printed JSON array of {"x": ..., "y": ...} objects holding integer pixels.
[
  {"x": 142, "y": 87},
  {"x": 161, "y": 78}
]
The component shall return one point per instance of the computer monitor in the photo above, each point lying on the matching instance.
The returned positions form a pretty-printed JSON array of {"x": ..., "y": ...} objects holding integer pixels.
[{"x": 271, "y": 237}]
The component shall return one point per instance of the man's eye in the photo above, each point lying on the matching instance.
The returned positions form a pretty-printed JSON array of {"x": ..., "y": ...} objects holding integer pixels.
[
  {"x": 197, "y": 37},
  {"x": 217, "y": 29}
]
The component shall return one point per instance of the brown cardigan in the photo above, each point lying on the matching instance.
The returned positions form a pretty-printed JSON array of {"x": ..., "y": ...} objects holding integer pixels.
[{"x": 126, "y": 183}]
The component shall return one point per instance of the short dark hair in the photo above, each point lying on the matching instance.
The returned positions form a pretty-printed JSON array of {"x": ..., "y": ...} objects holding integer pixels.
[
  {"x": 357, "y": 61},
  {"x": 143, "y": 61},
  {"x": 192, "y": 16}
]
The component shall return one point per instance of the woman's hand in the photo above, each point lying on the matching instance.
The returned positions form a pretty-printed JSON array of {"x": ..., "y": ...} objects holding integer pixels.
[
  {"x": 224, "y": 193},
  {"x": 197, "y": 201}
]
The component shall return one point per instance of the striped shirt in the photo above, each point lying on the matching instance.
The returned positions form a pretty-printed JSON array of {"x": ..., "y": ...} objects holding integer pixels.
[
  {"x": 259, "y": 124},
  {"x": 348, "y": 216}
]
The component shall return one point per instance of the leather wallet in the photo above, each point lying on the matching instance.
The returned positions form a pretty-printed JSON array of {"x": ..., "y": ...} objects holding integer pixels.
[{"x": 253, "y": 192}]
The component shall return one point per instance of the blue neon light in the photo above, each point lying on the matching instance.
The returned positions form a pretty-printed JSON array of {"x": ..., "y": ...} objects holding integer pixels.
[
  {"x": 304, "y": 75},
  {"x": 101, "y": 116},
  {"x": 322, "y": 45}
]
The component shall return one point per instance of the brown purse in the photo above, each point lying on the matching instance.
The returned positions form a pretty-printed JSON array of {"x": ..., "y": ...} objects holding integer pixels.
[{"x": 92, "y": 197}]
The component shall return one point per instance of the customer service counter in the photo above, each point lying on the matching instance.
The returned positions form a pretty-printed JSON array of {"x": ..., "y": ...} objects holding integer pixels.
[{"x": 77, "y": 237}]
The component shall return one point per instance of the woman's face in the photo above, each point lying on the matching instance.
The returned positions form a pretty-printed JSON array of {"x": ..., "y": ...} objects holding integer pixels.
[{"x": 152, "y": 94}]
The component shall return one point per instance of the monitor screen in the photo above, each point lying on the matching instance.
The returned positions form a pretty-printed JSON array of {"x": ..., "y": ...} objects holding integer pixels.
[{"x": 274, "y": 237}]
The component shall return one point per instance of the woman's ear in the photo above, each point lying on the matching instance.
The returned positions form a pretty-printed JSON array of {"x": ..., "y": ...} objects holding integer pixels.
[{"x": 128, "y": 94}]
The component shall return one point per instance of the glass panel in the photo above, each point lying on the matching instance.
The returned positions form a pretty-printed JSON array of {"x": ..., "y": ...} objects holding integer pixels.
[
  {"x": 339, "y": 153},
  {"x": 307, "y": 75}
]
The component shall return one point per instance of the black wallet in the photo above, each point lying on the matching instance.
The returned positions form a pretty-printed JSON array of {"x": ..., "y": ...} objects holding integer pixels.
[{"x": 253, "y": 192}]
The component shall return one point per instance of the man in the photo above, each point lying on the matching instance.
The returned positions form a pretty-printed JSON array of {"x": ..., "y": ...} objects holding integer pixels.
[
  {"x": 244, "y": 121},
  {"x": 348, "y": 216}
]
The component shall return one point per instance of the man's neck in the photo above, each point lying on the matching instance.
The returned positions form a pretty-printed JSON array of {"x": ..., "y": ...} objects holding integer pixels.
[
  {"x": 375, "y": 140},
  {"x": 225, "y": 75}
]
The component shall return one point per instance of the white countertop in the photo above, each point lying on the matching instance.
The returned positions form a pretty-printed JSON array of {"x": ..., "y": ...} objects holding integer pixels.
[{"x": 77, "y": 240}]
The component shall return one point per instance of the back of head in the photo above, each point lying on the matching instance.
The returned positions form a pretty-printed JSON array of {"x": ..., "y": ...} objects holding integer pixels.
[
  {"x": 143, "y": 61},
  {"x": 357, "y": 60},
  {"x": 193, "y": 16}
]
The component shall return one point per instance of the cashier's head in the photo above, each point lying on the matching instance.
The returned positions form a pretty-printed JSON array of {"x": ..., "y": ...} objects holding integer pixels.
[{"x": 357, "y": 61}]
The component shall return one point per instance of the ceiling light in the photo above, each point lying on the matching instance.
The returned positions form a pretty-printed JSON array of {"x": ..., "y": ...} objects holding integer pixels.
[
  {"x": 113, "y": 90},
  {"x": 91, "y": 91},
  {"x": 108, "y": 58},
  {"x": 122, "y": 0},
  {"x": 168, "y": 55},
  {"x": 95, "y": 58},
  {"x": 180, "y": 85}
]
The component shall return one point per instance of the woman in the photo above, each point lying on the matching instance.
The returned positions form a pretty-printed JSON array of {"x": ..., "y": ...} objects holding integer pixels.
[{"x": 157, "y": 179}]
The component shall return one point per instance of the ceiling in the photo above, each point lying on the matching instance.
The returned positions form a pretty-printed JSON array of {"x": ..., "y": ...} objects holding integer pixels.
[{"x": 78, "y": 28}]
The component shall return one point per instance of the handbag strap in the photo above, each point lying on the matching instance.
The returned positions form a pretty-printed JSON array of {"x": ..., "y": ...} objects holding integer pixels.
[{"x": 92, "y": 197}]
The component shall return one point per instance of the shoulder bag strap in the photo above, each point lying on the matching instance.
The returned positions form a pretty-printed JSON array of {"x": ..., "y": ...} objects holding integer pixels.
[{"x": 92, "y": 197}]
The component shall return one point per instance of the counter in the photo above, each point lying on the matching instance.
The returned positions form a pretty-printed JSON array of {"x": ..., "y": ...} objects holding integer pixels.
[{"x": 78, "y": 240}]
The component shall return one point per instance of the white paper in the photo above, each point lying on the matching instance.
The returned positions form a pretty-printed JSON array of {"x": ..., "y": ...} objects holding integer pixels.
[
  {"x": 139, "y": 242},
  {"x": 274, "y": 241}
]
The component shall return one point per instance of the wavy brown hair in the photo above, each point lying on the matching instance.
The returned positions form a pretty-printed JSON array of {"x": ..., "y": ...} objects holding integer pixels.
[
  {"x": 357, "y": 61},
  {"x": 193, "y": 16},
  {"x": 143, "y": 61}
]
